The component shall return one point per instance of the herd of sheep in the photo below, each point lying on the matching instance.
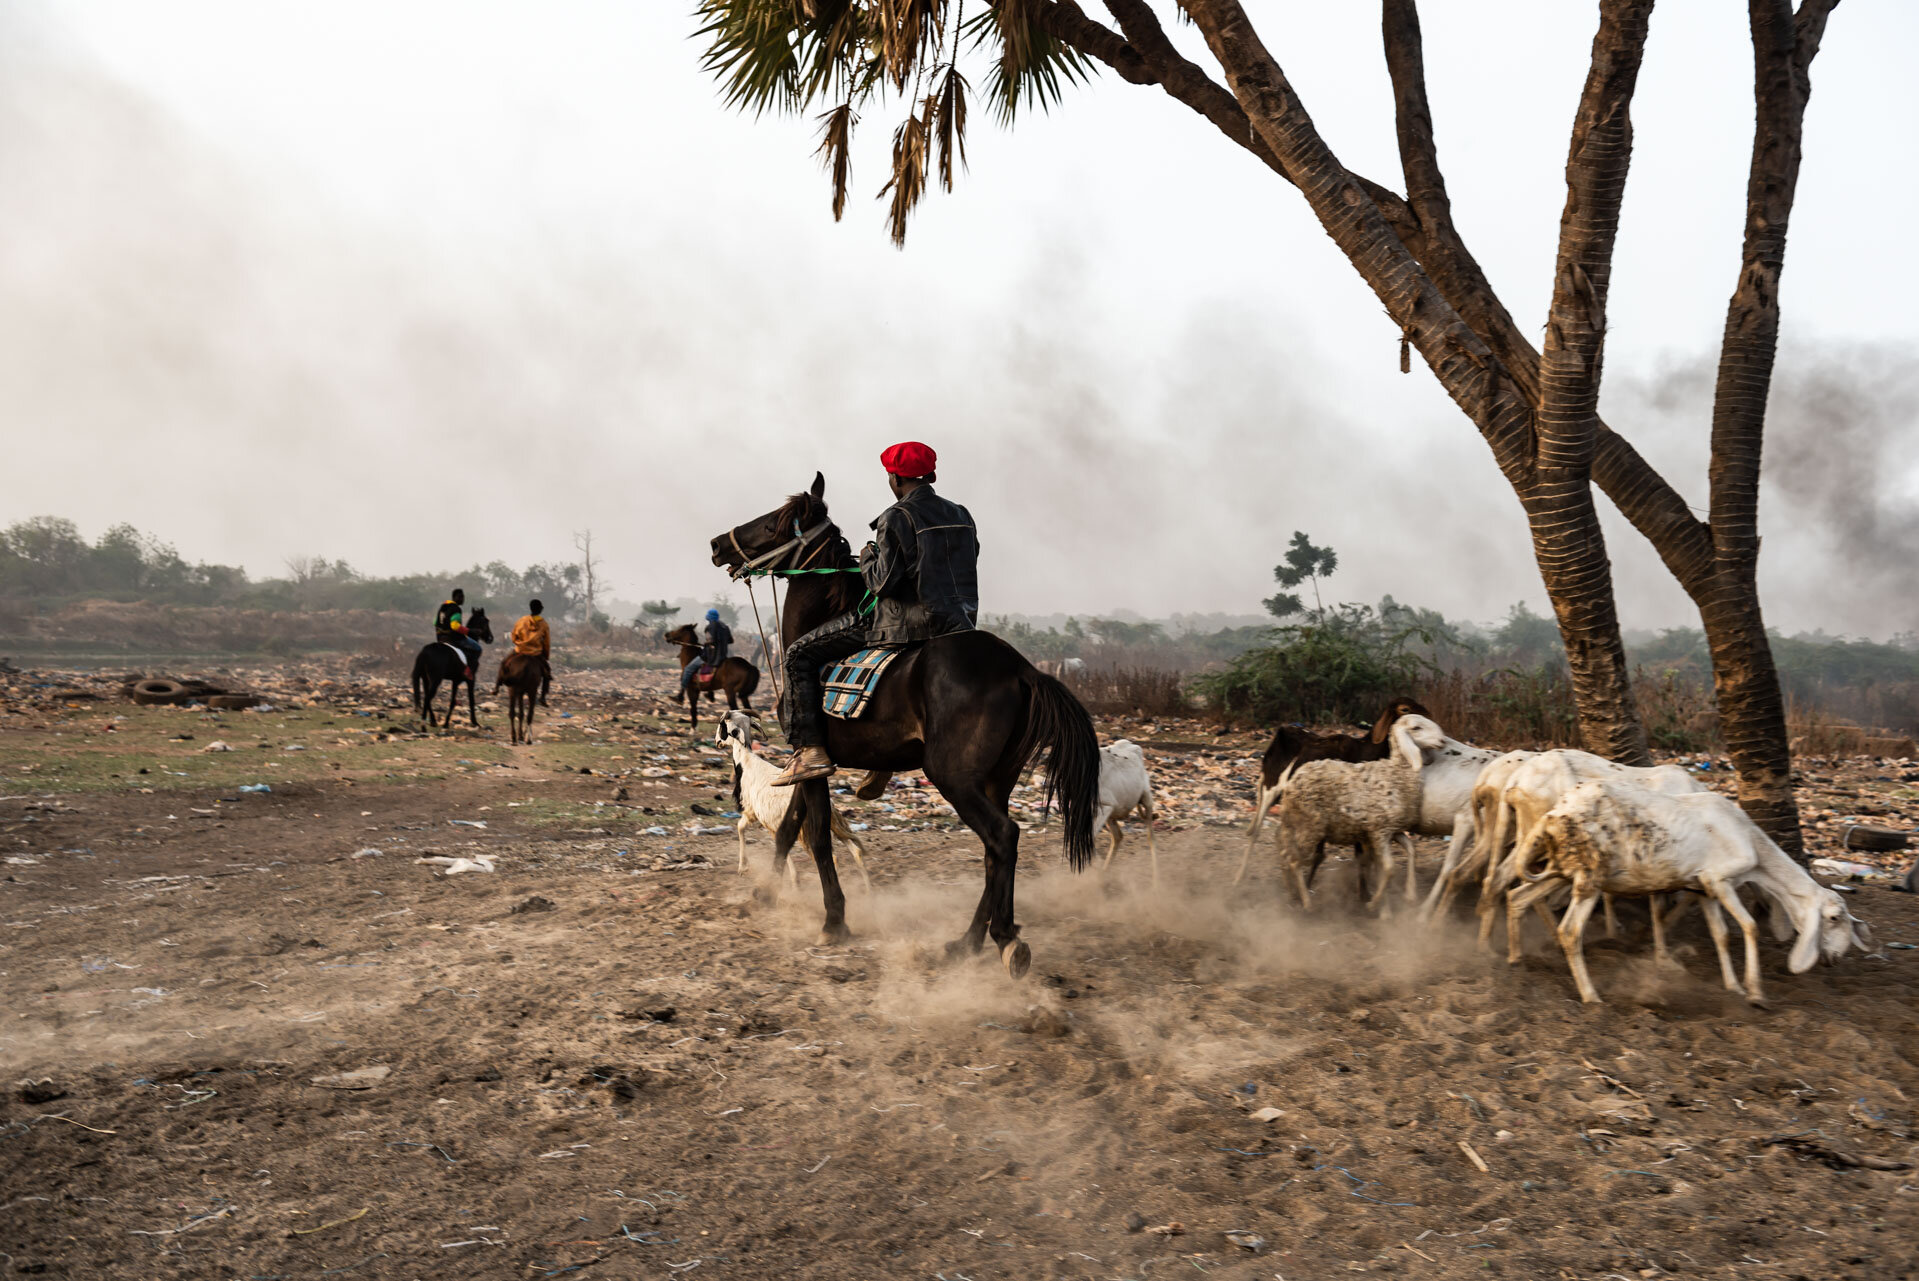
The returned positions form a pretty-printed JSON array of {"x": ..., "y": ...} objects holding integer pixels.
[{"x": 1535, "y": 829}]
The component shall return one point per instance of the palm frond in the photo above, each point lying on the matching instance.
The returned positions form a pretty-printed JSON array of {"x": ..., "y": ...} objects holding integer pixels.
[
  {"x": 1033, "y": 65},
  {"x": 751, "y": 50},
  {"x": 835, "y": 151},
  {"x": 950, "y": 119},
  {"x": 908, "y": 183}
]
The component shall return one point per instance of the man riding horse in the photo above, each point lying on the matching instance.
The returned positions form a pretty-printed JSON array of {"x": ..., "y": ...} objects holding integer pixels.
[
  {"x": 922, "y": 581},
  {"x": 449, "y": 627},
  {"x": 533, "y": 638},
  {"x": 719, "y": 642}
]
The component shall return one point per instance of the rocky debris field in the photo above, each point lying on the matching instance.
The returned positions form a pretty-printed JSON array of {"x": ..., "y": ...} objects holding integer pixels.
[{"x": 299, "y": 991}]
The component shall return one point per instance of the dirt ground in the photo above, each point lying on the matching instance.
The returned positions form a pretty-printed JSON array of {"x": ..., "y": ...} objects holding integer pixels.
[{"x": 614, "y": 1056}]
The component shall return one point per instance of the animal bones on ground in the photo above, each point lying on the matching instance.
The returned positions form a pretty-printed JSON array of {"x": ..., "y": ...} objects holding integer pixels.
[{"x": 1615, "y": 835}]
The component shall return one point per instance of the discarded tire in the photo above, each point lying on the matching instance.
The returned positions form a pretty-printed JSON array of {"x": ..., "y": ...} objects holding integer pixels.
[
  {"x": 1881, "y": 839},
  {"x": 159, "y": 693}
]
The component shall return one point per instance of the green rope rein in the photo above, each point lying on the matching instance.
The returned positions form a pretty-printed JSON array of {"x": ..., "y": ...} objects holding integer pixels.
[{"x": 867, "y": 603}]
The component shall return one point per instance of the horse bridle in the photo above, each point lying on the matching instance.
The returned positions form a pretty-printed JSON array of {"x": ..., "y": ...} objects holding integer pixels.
[{"x": 764, "y": 562}]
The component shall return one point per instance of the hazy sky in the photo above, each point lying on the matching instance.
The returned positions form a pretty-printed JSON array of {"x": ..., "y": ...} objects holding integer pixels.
[{"x": 428, "y": 284}]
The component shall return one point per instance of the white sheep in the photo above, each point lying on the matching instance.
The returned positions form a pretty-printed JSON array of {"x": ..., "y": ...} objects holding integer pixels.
[
  {"x": 1616, "y": 836},
  {"x": 1533, "y": 789},
  {"x": 1366, "y": 805},
  {"x": 1125, "y": 789},
  {"x": 776, "y": 809}
]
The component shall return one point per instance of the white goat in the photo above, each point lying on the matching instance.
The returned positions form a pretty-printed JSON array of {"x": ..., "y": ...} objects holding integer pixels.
[
  {"x": 1616, "y": 836},
  {"x": 1489, "y": 815},
  {"x": 1446, "y": 804},
  {"x": 1535, "y": 786},
  {"x": 774, "y": 808},
  {"x": 1125, "y": 789},
  {"x": 1366, "y": 805}
]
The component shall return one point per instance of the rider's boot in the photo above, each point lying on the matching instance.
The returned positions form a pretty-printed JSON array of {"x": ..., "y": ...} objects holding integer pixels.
[{"x": 808, "y": 763}]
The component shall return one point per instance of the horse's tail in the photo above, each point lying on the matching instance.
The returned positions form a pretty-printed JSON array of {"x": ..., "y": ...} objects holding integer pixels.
[
  {"x": 752, "y": 681},
  {"x": 1057, "y": 725},
  {"x": 419, "y": 677}
]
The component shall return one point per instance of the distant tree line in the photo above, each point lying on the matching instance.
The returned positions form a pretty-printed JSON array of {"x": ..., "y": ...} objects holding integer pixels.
[{"x": 44, "y": 561}]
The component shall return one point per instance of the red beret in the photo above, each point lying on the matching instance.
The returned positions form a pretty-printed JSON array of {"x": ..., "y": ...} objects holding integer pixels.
[{"x": 910, "y": 460}]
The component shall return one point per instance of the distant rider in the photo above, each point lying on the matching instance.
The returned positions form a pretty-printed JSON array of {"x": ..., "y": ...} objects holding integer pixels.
[
  {"x": 532, "y": 637},
  {"x": 719, "y": 642},
  {"x": 449, "y": 625},
  {"x": 922, "y": 569}
]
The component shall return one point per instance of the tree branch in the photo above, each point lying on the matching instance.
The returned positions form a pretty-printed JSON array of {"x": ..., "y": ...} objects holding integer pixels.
[
  {"x": 1596, "y": 167},
  {"x": 1642, "y": 495}
]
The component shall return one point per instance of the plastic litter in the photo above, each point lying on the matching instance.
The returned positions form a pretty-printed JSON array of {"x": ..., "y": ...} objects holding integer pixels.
[{"x": 254, "y": 787}]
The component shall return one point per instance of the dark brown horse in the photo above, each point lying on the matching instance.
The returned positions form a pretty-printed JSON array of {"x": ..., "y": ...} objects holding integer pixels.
[
  {"x": 965, "y": 708},
  {"x": 521, "y": 674},
  {"x": 735, "y": 677},
  {"x": 441, "y": 662}
]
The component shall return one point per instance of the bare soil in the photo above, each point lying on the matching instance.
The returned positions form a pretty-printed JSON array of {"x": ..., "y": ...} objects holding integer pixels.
[{"x": 617, "y": 1057}]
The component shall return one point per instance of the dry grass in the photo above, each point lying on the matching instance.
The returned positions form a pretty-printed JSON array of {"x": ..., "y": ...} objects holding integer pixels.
[{"x": 1141, "y": 691}]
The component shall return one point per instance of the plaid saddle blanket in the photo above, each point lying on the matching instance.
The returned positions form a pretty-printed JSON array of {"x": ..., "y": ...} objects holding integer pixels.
[{"x": 849, "y": 684}]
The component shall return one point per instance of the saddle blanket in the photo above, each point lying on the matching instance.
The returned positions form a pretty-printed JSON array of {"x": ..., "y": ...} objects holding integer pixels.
[
  {"x": 458, "y": 653},
  {"x": 849, "y": 684}
]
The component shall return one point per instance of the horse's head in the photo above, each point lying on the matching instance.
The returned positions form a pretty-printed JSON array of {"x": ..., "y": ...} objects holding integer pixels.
[
  {"x": 682, "y": 635},
  {"x": 786, "y": 526},
  {"x": 477, "y": 625}
]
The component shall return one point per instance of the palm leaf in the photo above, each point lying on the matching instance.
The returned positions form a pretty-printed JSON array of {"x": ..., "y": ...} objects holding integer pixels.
[
  {"x": 835, "y": 151},
  {"x": 1033, "y": 66},
  {"x": 951, "y": 123},
  {"x": 908, "y": 183}
]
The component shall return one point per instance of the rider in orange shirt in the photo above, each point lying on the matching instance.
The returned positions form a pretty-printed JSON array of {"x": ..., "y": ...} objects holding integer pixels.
[{"x": 532, "y": 637}]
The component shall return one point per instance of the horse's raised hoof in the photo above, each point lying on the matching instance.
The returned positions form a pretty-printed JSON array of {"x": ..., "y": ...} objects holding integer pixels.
[
  {"x": 1017, "y": 958},
  {"x": 834, "y": 936}
]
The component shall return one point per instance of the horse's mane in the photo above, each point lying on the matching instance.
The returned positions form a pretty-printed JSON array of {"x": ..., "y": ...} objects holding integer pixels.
[{"x": 807, "y": 511}]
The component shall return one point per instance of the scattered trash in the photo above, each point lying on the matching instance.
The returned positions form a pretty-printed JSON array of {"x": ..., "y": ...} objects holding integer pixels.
[
  {"x": 254, "y": 787},
  {"x": 43, "y": 1090},
  {"x": 217, "y": 745},
  {"x": 368, "y": 852},
  {"x": 467, "y": 822},
  {"x": 307, "y": 1232},
  {"x": 1879, "y": 840},
  {"x": 1247, "y": 1240},
  {"x": 1474, "y": 1157},
  {"x": 1839, "y": 867},
  {"x": 1268, "y": 1115},
  {"x": 454, "y": 866},
  {"x": 1832, "y": 1157},
  {"x": 360, "y": 1079}
]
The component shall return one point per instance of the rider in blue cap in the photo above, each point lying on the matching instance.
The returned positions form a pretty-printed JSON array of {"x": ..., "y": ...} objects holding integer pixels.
[{"x": 719, "y": 641}]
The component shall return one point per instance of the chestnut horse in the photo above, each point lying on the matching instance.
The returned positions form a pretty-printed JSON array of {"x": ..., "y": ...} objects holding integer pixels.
[
  {"x": 966, "y": 708},
  {"x": 441, "y": 662},
  {"x": 735, "y": 677},
  {"x": 521, "y": 674}
]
